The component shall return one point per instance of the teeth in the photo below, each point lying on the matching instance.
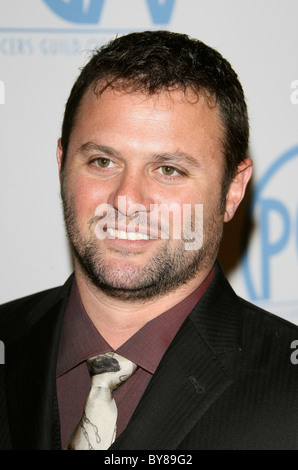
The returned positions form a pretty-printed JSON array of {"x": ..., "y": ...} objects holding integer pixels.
[{"x": 122, "y": 235}]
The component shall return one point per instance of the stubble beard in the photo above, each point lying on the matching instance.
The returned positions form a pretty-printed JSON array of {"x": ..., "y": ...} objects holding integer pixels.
[{"x": 170, "y": 267}]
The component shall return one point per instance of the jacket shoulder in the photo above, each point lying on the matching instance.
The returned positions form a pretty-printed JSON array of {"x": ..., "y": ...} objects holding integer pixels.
[
  {"x": 272, "y": 321},
  {"x": 28, "y": 300},
  {"x": 16, "y": 314}
]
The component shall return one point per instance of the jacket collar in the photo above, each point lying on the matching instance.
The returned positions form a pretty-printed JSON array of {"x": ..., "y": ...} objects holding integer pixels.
[{"x": 217, "y": 315}]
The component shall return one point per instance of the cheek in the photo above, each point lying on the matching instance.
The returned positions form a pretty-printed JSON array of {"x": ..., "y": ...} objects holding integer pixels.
[
  {"x": 86, "y": 195},
  {"x": 179, "y": 195}
]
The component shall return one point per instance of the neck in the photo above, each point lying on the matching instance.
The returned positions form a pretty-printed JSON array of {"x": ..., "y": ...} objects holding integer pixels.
[{"x": 118, "y": 320}]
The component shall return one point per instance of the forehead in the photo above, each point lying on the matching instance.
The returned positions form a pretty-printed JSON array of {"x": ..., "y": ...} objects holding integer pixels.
[{"x": 174, "y": 118}]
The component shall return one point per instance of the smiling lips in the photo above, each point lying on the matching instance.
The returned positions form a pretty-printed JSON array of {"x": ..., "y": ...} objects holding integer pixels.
[{"x": 123, "y": 235}]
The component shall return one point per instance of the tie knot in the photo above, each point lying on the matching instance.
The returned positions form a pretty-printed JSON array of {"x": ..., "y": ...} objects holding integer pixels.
[{"x": 109, "y": 369}]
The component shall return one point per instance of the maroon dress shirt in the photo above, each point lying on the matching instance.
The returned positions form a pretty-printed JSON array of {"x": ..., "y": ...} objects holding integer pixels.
[{"x": 81, "y": 340}]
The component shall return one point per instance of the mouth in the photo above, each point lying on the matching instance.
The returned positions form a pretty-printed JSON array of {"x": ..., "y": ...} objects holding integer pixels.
[{"x": 123, "y": 235}]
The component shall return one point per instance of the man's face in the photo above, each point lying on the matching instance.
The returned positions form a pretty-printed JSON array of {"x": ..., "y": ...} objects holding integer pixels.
[{"x": 151, "y": 151}]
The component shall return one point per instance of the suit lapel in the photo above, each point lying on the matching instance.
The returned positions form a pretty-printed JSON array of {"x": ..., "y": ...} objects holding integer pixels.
[
  {"x": 191, "y": 375},
  {"x": 31, "y": 385}
]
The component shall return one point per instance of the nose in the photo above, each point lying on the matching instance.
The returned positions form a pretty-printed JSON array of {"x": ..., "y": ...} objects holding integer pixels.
[{"x": 131, "y": 194}]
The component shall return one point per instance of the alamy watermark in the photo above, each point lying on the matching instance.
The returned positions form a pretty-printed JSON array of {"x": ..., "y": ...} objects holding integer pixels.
[
  {"x": 2, "y": 353},
  {"x": 161, "y": 221},
  {"x": 294, "y": 94},
  {"x": 294, "y": 355}
]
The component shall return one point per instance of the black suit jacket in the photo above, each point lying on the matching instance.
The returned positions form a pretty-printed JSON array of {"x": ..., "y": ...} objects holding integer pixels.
[{"x": 226, "y": 381}]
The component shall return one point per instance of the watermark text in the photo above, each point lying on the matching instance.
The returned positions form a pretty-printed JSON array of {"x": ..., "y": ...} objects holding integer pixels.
[
  {"x": 2, "y": 353},
  {"x": 160, "y": 221},
  {"x": 294, "y": 94}
]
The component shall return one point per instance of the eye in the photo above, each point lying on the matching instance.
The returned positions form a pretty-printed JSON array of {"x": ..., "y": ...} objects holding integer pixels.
[
  {"x": 103, "y": 162},
  {"x": 168, "y": 170}
]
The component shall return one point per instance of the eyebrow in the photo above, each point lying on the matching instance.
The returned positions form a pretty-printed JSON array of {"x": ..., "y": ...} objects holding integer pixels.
[
  {"x": 92, "y": 146},
  {"x": 174, "y": 157},
  {"x": 177, "y": 157}
]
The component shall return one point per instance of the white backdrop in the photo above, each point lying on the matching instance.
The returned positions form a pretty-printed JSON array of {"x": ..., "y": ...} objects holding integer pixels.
[{"x": 42, "y": 45}]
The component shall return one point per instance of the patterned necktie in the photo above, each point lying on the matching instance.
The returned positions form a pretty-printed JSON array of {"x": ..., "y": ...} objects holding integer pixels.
[{"x": 97, "y": 428}]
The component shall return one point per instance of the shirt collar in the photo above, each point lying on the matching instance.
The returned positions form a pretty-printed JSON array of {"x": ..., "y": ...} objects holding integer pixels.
[{"x": 80, "y": 339}]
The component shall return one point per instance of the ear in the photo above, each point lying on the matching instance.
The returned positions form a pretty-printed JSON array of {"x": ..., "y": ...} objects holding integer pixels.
[
  {"x": 59, "y": 153},
  {"x": 237, "y": 188}
]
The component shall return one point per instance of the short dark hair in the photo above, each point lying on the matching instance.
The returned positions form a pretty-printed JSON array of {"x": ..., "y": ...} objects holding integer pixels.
[{"x": 153, "y": 61}]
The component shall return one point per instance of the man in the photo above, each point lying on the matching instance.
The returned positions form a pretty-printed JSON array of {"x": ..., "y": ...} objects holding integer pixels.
[{"x": 155, "y": 128}]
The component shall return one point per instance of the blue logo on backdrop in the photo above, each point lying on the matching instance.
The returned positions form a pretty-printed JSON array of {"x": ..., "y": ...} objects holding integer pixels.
[
  {"x": 268, "y": 209},
  {"x": 78, "y": 38},
  {"x": 89, "y": 11},
  {"x": 77, "y": 11}
]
